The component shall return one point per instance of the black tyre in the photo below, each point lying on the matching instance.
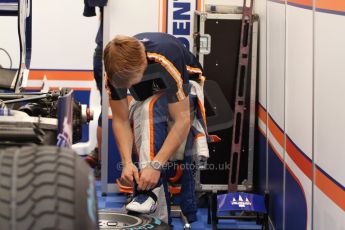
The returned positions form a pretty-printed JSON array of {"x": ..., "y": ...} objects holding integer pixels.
[
  {"x": 45, "y": 187},
  {"x": 115, "y": 220}
]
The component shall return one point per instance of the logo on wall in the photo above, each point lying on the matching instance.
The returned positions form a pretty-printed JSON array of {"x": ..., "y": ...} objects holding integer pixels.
[
  {"x": 240, "y": 202},
  {"x": 178, "y": 19}
]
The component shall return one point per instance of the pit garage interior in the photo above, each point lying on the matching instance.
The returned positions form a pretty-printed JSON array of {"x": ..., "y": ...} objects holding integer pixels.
[{"x": 275, "y": 81}]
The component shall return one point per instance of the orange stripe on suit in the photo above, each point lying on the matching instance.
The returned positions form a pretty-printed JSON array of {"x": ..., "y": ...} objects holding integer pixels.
[
  {"x": 201, "y": 107},
  {"x": 193, "y": 69},
  {"x": 152, "y": 147},
  {"x": 172, "y": 71}
]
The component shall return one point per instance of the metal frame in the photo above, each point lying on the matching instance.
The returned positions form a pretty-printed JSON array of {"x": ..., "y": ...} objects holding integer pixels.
[
  {"x": 248, "y": 184},
  {"x": 105, "y": 111},
  {"x": 9, "y": 6},
  {"x": 253, "y": 88}
]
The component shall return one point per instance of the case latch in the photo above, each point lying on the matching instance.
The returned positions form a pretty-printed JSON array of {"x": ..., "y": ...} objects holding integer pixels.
[{"x": 205, "y": 44}]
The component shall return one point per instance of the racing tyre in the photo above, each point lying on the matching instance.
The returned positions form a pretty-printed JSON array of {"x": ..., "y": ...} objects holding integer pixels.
[
  {"x": 45, "y": 187},
  {"x": 115, "y": 220}
]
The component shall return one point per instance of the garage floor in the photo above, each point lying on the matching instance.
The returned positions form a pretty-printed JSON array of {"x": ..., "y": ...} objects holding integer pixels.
[{"x": 115, "y": 202}]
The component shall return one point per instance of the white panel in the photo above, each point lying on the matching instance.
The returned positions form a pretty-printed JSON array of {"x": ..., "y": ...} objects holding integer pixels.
[
  {"x": 275, "y": 102},
  {"x": 330, "y": 93},
  {"x": 129, "y": 17},
  {"x": 329, "y": 114},
  {"x": 260, "y": 9},
  {"x": 276, "y": 61},
  {"x": 62, "y": 37},
  {"x": 299, "y": 90},
  {"x": 9, "y": 41},
  {"x": 299, "y": 78},
  {"x": 326, "y": 214}
]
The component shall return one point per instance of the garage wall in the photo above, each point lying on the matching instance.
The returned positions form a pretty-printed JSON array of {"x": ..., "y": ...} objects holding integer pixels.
[
  {"x": 329, "y": 112},
  {"x": 300, "y": 114}
]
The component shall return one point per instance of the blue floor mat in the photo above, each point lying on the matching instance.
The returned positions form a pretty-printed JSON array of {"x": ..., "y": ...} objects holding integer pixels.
[{"x": 115, "y": 202}]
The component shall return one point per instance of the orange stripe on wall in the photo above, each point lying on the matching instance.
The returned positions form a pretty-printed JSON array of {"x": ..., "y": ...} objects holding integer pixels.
[
  {"x": 199, "y": 5},
  {"x": 299, "y": 159},
  {"x": 331, "y": 5},
  {"x": 164, "y": 14},
  {"x": 61, "y": 75},
  {"x": 334, "y": 192},
  {"x": 262, "y": 114},
  {"x": 276, "y": 132},
  {"x": 336, "y": 5},
  {"x": 302, "y": 2}
]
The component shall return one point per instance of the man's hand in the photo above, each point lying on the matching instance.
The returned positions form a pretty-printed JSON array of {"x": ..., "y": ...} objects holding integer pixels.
[
  {"x": 148, "y": 179},
  {"x": 129, "y": 172}
]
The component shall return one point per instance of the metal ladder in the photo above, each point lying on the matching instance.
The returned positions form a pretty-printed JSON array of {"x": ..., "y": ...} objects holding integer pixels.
[{"x": 241, "y": 89}]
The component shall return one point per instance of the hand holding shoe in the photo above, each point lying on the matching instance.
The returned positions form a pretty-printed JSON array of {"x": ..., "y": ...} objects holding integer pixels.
[{"x": 129, "y": 173}]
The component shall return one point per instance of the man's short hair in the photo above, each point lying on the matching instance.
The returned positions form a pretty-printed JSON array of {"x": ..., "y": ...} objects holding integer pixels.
[{"x": 124, "y": 57}]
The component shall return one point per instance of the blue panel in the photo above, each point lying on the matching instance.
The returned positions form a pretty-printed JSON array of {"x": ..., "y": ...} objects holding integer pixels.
[
  {"x": 295, "y": 204},
  {"x": 260, "y": 163},
  {"x": 84, "y": 98},
  {"x": 275, "y": 182},
  {"x": 295, "y": 201},
  {"x": 114, "y": 158}
]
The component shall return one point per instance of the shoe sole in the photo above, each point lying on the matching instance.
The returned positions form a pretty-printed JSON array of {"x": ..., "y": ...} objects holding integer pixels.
[{"x": 152, "y": 210}]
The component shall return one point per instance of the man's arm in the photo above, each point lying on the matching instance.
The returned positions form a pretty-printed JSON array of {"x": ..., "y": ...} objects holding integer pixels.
[
  {"x": 124, "y": 138},
  {"x": 180, "y": 116}
]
